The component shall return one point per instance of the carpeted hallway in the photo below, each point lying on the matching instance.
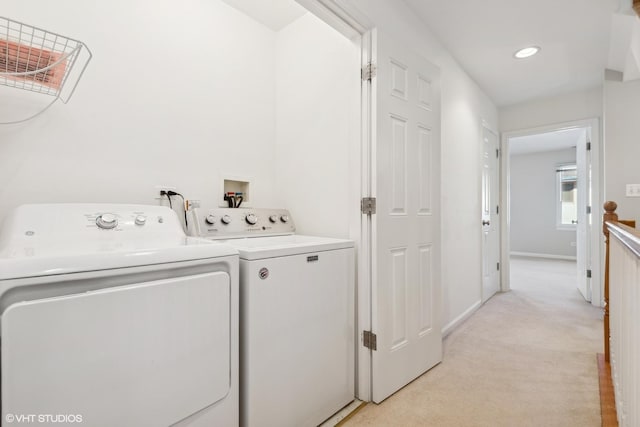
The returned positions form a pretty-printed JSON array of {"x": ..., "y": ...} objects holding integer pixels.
[{"x": 526, "y": 358}]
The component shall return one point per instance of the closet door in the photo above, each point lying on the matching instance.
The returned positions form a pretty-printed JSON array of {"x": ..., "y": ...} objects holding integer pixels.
[{"x": 406, "y": 301}]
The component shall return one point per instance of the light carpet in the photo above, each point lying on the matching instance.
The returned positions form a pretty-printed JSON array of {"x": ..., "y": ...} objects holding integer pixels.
[{"x": 525, "y": 358}]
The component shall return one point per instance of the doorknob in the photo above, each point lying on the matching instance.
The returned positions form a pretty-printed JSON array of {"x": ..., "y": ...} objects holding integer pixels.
[{"x": 485, "y": 222}]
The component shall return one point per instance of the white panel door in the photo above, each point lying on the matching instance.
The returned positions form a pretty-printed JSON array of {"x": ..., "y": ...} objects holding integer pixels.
[
  {"x": 490, "y": 221},
  {"x": 406, "y": 244},
  {"x": 583, "y": 170}
]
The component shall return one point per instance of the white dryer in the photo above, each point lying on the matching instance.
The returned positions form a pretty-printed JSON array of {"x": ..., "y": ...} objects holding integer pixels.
[
  {"x": 296, "y": 317},
  {"x": 111, "y": 316}
]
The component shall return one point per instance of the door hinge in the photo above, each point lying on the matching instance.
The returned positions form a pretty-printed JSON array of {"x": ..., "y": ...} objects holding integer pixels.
[
  {"x": 498, "y": 266},
  {"x": 589, "y": 146},
  {"x": 368, "y": 205},
  {"x": 588, "y": 274},
  {"x": 368, "y": 72},
  {"x": 370, "y": 340},
  {"x": 497, "y": 153},
  {"x": 588, "y": 210},
  {"x": 497, "y": 210}
]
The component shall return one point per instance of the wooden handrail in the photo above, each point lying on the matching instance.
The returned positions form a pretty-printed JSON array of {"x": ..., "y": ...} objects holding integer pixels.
[
  {"x": 610, "y": 215},
  {"x": 629, "y": 236}
]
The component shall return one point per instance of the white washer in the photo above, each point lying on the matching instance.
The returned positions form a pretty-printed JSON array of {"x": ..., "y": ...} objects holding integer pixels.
[
  {"x": 111, "y": 316},
  {"x": 296, "y": 317}
]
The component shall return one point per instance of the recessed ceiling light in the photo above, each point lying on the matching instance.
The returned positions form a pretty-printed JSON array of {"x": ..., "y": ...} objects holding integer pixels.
[{"x": 526, "y": 52}]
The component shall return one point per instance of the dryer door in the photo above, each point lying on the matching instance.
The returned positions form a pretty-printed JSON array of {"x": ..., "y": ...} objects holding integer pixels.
[{"x": 146, "y": 354}]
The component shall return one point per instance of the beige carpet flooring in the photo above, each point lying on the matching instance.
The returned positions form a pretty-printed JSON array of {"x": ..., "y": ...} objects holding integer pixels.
[{"x": 526, "y": 358}]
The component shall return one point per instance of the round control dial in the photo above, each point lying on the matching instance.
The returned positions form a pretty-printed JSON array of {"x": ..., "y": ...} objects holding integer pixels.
[
  {"x": 141, "y": 220},
  {"x": 251, "y": 219},
  {"x": 284, "y": 218},
  {"x": 107, "y": 221},
  {"x": 210, "y": 219},
  {"x": 226, "y": 219},
  {"x": 273, "y": 218}
]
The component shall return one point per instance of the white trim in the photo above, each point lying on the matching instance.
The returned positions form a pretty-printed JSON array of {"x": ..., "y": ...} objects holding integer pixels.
[
  {"x": 347, "y": 20},
  {"x": 549, "y": 256},
  {"x": 505, "y": 217},
  {"x": 595, "y": 260},
  {"x": 567, "y": 227},
  {"x": 575, "y": 124},
  {"x": 451, "y": 326},
  {"x": 597, "y": 194},
  {"x": 364, "y": 293},
  {"x": 338, "y": 15},
  {"x": 342, "y": 414}
]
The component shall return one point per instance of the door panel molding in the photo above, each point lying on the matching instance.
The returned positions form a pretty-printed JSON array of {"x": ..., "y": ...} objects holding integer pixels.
[{"x": 406, "y": 298}]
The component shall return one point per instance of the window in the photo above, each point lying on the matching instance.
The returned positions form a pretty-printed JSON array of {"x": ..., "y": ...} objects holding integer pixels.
[{"x": 567, "y": 185}]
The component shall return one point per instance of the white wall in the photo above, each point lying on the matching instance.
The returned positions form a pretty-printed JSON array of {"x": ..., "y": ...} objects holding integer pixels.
[
  {"x": 464, "y": 105},
  {"x": 548, "y": 111},
  {"x": 185, "y": 107},
  {"x": 622, "y": 148},
  {"x": 534, "y": 198},
  {"x": 317, "y": 125},
  {"x": 185, "y": 95},
  {"x": 178, "y": 93}
]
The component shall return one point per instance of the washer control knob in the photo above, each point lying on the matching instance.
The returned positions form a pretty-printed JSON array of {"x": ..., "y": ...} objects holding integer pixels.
[
  {"x": 210, "y": 219},
  {"x": 107, "y": 221},
  {"x": 251, "y": 219},
  {"x": 141, "y": 220},
  {"x": 273, "y": 218},
  {"x": 284, "y": 218},
  {"x": 226, "y": 219}
]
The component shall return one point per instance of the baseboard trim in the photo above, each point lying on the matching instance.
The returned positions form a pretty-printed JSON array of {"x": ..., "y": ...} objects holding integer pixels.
[
  {"x": 449, "y": 327},
  {"x": 343, "y": 415},
  {"x": 550, "y": 256}
]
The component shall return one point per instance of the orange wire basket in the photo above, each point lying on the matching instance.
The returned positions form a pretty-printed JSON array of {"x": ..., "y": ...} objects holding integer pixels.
[{"x": 40, "y": 61}]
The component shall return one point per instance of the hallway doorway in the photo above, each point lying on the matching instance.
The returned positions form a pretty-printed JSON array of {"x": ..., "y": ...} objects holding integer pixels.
[{"x": 552, "y": 191}]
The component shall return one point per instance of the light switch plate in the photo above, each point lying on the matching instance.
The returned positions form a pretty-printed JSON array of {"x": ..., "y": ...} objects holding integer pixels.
[{"x": 633, "y": 190}]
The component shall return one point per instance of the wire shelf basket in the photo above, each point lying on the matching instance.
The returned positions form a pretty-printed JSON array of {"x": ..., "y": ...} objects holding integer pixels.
[{"x": 40, "y": 61}]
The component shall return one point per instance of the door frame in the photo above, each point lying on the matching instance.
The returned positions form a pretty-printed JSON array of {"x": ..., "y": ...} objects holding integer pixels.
[
  {"x": 350, "y": 22},
  {"x": 596, "y": 243},
  {"x": 485, "y": 124}
]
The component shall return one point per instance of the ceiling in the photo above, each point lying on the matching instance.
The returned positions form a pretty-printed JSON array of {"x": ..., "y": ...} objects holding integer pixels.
[
  {"x": 548, "y": 141},
  {"x": 275, "y": 14},
  {"x": 483, "y": 36}
]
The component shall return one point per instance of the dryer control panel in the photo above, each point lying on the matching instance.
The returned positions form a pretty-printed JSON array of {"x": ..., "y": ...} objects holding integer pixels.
[
  {"x": 229, "y": 223},
  {"x": 86, "y": 228}
]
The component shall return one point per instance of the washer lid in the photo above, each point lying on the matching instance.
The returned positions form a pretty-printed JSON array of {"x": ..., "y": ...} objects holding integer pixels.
[
  {"x": 279, "y": 246},
  {"x": 40, "y": 240}
]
